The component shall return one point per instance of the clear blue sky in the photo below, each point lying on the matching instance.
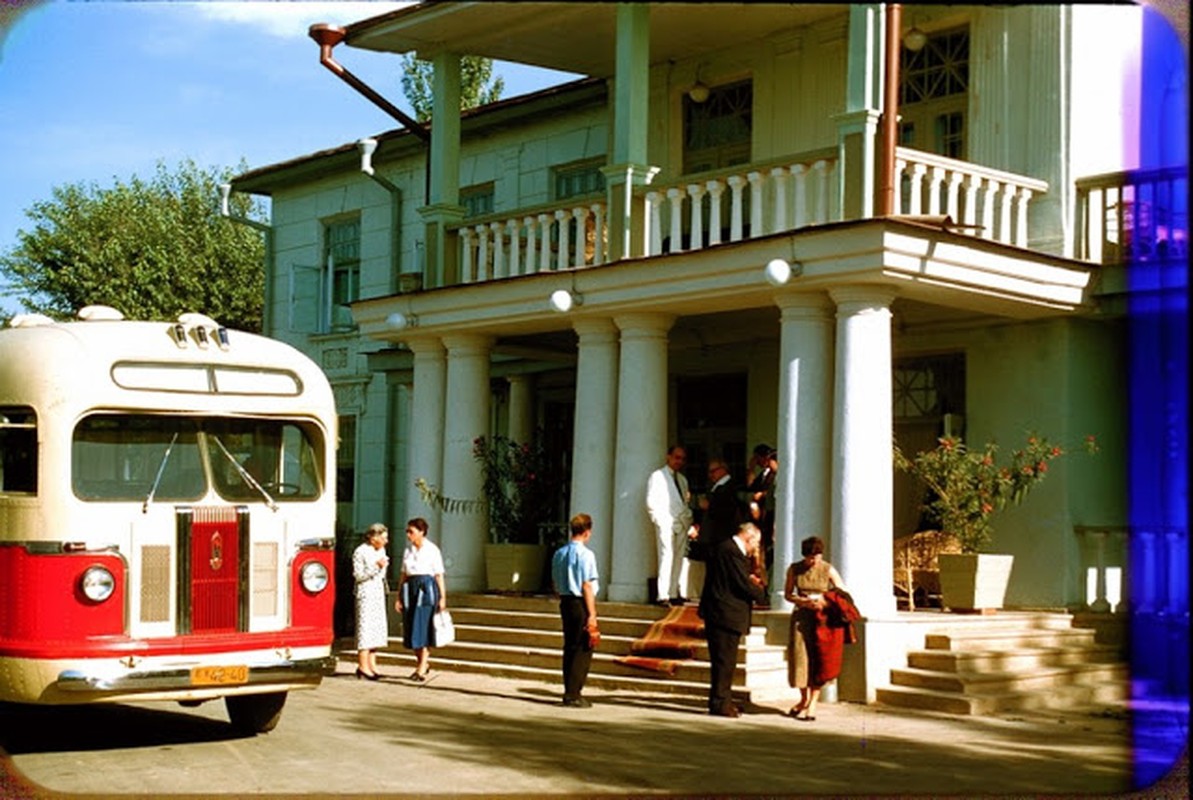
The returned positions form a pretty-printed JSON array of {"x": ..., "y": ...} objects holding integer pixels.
[{"x": 101, "y": 91}]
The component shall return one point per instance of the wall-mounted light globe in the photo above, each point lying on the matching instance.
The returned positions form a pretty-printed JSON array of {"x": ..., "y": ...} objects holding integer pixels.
[
  {"x": 563, "y": 301},
  {"x": 397, "y": 321},
  {"x": 778, "y": 272}
]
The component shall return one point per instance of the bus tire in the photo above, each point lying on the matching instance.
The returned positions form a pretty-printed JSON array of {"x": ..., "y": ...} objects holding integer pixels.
[{"x": 255, "y": 713}]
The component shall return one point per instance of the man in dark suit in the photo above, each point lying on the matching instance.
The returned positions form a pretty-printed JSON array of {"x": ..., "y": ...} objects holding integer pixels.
[
  {"x": 730, "y": 590},
  {"x": 721, "y": 513}
]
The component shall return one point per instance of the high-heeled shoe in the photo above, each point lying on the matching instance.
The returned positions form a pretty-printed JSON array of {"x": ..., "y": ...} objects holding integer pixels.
[{"x": 368, "y": 676}]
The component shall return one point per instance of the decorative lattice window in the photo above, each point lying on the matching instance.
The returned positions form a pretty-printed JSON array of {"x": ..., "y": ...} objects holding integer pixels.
[
  {"x": 929, "y": 386},
  {"x": 939, "y": 69},
  {"x": 718, "y": 132}
]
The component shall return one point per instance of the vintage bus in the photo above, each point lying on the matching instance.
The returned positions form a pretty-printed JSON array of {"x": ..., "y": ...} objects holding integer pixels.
[{"x": 166, "y": 515}]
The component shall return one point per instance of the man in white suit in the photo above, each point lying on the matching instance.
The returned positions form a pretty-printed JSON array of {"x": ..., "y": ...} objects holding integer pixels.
[{"x": 669, "y": 503}]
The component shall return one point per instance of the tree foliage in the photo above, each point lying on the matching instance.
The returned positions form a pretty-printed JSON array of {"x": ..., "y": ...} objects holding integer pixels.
[
  {"x": 152, "y": 249},
  {"x": 477, "y": 84}
]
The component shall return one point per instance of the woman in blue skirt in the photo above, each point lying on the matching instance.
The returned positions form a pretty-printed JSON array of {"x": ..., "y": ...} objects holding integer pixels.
[{"x": 421, "y": 594}]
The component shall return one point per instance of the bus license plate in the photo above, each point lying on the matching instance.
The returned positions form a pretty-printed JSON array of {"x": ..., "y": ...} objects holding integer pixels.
[{"x": 219, "y": 676}]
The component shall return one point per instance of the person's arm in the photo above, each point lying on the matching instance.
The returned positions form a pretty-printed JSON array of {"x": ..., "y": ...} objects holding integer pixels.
[
  {"x": 589, "y": 603},
  {"x": 401, "y": 582},
  {"x": 442, "y": 590},
  {"x": 835, "y": 578},
  {"x": 658, "y": 500}
]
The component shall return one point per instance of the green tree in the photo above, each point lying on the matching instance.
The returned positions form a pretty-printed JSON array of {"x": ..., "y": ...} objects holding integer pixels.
[
  {"x": 152, "y": 249},
  {"x": 477, "y": 84}
]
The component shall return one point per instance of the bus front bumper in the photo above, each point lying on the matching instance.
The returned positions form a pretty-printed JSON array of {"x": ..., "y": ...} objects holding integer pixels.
[{"x": 199, "y": 680}]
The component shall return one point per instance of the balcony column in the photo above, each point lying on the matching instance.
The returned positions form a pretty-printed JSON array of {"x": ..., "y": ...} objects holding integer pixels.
[
  {"x": 521, "y": 408},
  {"x": 861, "y": 469},
  {"x": 857, "y": 127},
  {"x": 466, "y": 417},
  {"x": 595, "y": 427},
  {"x": 424, "y": 456},
  {"x": 627, "y": 170},
  {"x": 641, "y": 445},
  {"x": 802, "y": 492},
  {"x": 443, "y": 209}
]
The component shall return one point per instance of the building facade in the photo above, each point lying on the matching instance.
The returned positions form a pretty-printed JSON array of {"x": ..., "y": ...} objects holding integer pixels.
[{"x": 701, "y": 242}]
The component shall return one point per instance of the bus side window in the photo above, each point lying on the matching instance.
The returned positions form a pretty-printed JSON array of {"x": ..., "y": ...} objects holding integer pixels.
[{"x": 18, "y": 450}]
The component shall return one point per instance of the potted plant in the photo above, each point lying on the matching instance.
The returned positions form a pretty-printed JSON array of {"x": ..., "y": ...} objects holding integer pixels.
[
  {"x": 520, "y": 492},
  {"x": 965, "y": 488}
]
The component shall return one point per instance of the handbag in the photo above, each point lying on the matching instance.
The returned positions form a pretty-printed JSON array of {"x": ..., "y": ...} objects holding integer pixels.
[{"x": 445, "y": 630}]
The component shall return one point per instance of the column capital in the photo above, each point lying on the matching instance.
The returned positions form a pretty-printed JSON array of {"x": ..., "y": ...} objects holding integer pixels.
[
  {"x": 804, "y": 305},
  {"x": 425, "y": 346},
  {"x": 442, "y": 212},
  {"x": 859, "y": 298},
  {"x": 634, "y": 174},
  {"x": 644, "y": 323},
  {"x": 468, "y": 343},
  {"x": 595, "y": 329}
]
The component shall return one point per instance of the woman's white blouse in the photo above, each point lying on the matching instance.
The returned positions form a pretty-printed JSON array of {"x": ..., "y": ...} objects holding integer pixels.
[{"x": 425, "y": 560}]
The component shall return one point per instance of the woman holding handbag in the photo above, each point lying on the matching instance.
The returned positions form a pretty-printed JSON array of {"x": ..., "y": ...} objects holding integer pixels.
[
  {"x": 421, "y": 594},
  {"x": 369, "y": 565}
]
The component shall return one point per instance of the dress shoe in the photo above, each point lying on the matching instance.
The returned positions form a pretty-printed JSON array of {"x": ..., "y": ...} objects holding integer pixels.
[
  {"x": 577, "y": 702},
  {"x": 678, "y": 601},
  {"x": 368, "y": 676},
  {"x": 665, "y": 603},
  {"x": 726, "y": 711}
]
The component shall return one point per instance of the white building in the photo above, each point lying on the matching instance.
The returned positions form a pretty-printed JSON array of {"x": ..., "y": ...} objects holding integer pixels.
[{"x": 709, "y": 198}]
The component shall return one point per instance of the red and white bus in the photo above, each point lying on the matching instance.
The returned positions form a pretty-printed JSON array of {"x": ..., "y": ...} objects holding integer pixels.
[{"x": 166, "y": 515}]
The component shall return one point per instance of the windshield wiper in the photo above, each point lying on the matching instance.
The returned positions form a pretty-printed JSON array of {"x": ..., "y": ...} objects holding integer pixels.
[
  {"x": 245, "y": 475},
  {"x": 161, "y": 470}
]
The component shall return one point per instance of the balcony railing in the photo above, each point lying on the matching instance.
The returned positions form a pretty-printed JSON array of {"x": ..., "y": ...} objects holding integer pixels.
[
  {"x": 1132, "y": 217},
  {"x": 991, "y": 201},
  {"x": 737, "y": 204}
]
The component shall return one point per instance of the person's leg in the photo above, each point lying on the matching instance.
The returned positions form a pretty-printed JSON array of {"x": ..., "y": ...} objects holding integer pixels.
[
  {"x": 567, "y": 612},
  {"x": 663, "y": 542},
  {"x": 583, "y": 657},
  {"x": 362, "y": 661},
  {"x": 679, "y": 565},
  {"x": 424, "y": 660}
]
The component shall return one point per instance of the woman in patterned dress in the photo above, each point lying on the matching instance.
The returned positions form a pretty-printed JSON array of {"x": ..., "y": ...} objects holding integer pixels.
[
  {"x": 811, "y": 659},
  {"x": 420, "y": 594},
  {"x": 369, "y": 564}
]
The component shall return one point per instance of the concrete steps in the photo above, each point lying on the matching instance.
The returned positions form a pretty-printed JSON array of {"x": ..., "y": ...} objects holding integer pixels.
[
  {"x": 1022, "y": 661},
  {"x": 521, "y": 636}
]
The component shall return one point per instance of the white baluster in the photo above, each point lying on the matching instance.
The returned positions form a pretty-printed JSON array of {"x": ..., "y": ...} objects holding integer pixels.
[
  {"x": 544, "y": 243},
  {"x": 598, "y": 252},
  {"x": 988, "y": 208},
  {"x": 900, "y": 168},
  {"x": 799, "y": 194},
  {"x": 1024, "y": 194},
  {"x": 498, "y": 250},
  {"x": 821, "y": 211},
  {"x": 952, "y": 206},
  {"x": 515, "y": 247},
  {"x": 696, "y": 192},
  {"x": 482, "y": 252},
  {"x": 936, "y": 178},
  {"x": 916, "y": 206},
  {"x": 736, "y": 183},
  {"x": 466, "y": 264},
  {"x": 1100, "y": 603},
  {"x": 531, "y": 249},
  {"x": 715, "y": 190},
  {"x": 675, "y": 244},
  {"x": 654, "y": 215},
  {"x": 1004, "y": 215},
  {"x": 972, "y": 184},
  {"x": 779, "y": 213},
  {"x": 580, "y": 214},
  {"x": 561, "y": 259},
  {"x": 755, "y": 179}
]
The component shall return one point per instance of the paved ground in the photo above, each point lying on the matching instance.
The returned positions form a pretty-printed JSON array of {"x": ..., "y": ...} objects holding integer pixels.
[{"x": 477, "y": 735}]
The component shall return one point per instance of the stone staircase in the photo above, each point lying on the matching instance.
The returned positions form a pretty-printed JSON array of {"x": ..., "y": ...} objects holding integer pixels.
[
  {"x": 1012, "y": 661},
  {"x": 520, "y": 636}
]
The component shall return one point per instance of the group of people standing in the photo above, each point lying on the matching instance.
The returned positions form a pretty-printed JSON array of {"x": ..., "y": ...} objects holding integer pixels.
[{"x": 728, "y": 531}]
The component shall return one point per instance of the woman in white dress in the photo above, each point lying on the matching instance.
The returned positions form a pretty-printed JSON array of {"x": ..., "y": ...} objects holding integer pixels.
[
  {"x": 369, "y": 565},
  {"x": 420, "y": 594}
]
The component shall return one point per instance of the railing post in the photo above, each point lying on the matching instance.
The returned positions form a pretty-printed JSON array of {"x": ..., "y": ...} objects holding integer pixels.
[
  {"x": 544, "y": 243},
  {"x": 715, "y": 190},
  {"x": 755, "y": 179},
  {"x": 482, "y": 253},
  {"x": 988, "y": 208},
  {"x": 821, "y": 213},
  {"x": 952, "y": 206},
  {"x": 696, "y": 239},
  {"x": 674, "y": 243},
  {"x": 561, "y": 220},
  {"x": 779, "y": 212},
  {"x": 972, "y": 184},
  {"x": 498, "y": 250},
  {"x": 466, "y": 270},
  {"x": 1100, "y": 604},
  {"x": 1024, "y": 197},
  {"x": 654, "y": 201},
  {"x": 1004, "y": 217},
  {"x": 515, "y": 247},
  {"x": 531, "y": 245},
  {"x": 580, "y": 215},
  {"x": 916, "y": 206},
  {"x": 736, "y": 184},
  {"x": 936, "y": 178},
  {"x": 799, "y": 195}
]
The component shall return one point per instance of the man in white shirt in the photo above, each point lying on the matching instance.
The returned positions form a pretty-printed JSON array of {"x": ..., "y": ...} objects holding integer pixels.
[{"x": 668, "y": 503}]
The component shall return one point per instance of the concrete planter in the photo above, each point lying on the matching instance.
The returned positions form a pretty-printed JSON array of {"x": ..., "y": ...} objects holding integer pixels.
[
  {"x": 515, "y": 567},
  {"x": 974, "y": 581}
]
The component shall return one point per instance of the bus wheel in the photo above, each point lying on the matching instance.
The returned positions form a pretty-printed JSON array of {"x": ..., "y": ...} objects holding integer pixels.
[{"x": 255, "y": 713}]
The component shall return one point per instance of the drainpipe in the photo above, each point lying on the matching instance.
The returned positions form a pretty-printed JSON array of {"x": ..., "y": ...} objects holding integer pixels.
[
  {"x": 889, "y": 124},
  {"x": 367, "y": 147},
  {"x": 327, "y": 37},
  {"x": 226, "y": 213}
]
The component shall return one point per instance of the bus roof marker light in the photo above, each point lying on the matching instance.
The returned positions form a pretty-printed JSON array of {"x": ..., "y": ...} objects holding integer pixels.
[
  {"x": 178, "y": 334},
  {"x": 201, "y": 336},
  {"x": 221, "y": 337}
]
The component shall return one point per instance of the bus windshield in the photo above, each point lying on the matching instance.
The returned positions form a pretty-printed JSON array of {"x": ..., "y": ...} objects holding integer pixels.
[{"x": 146, "y": 458}]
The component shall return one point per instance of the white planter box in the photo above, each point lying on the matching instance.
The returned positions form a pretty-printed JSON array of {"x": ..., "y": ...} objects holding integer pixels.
[{"x": 974, "y": 581}]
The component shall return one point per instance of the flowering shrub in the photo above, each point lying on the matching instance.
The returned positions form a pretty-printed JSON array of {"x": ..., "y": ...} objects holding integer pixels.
[
  {"x": 966, "y": 487},
  {"x": 519, "y": 485}
]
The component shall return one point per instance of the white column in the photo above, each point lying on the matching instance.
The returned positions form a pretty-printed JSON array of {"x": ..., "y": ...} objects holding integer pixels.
[
  {"x": 521, "y": 410},
  {"x": 424, "y": 457},
  {"x": 466, "y": 417},
  {"x": 802, "y": 488},
  {"x": 594, "y": 430},
  {"x": 862, "y": 473},
  {"x": 641, "y": 443}
]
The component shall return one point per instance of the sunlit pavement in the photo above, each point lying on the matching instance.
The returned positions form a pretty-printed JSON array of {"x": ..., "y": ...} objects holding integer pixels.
[{"x": 473, "y": 734}]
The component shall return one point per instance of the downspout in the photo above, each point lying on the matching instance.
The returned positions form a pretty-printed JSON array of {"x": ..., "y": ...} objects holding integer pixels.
[
  {"x": 226, "y": 213},
  {"x": 367, "y": 147},
  {"x": 327, "y": 37},
  {"x": 889, "y": 124}
]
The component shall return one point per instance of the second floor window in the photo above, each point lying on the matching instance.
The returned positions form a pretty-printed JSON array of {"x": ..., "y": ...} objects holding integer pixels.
[
  {"x": 477, "y": 200},
  {"x": 342, "y": 260},
  {"x": 579, "y": 180},
  {"x": 718, "y": 132},
  {"x": 934, "y": 94}
]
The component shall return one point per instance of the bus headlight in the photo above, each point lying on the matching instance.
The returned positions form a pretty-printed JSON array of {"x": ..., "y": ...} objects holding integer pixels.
[
  {"x": 314, "y": 577},
  {"x": 97, "y": 584}
]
